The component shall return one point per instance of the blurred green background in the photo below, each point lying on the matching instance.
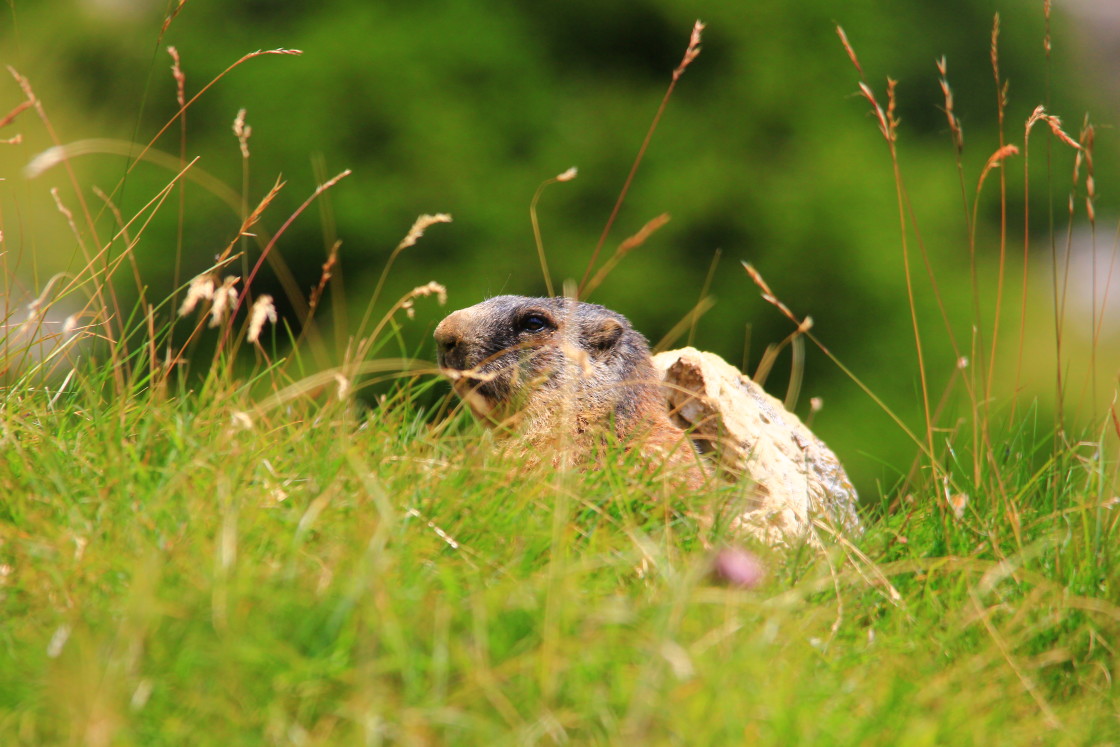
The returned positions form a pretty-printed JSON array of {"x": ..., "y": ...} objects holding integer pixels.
[{"x": 765, "y": 153}]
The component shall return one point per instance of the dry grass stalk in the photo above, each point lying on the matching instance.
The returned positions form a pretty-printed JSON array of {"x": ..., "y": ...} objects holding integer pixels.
[
  {"x": 628, "y": 245},
  {"x": 37, "y": 307},
  {"x": 1053, "y": 122},
  {"x": 892, "y": 106},
  {"x": 767, "y": 294},
  {"x": 181, "y": 99},
  {"x": 887, "y": 123},
  {"x": 294, "y": 294},
  {"x": 242, "y": 131},
  {"x": 770, "y": 357},
  {"x": 950, "y": 114},
  {"x": 424, "y": 290},
  {"x": 422, "y": 224},
  {"x": 693, "y": 50},
  {"x": 144, "y": 214},
  {"x": 888, "y": 127},
  {"x": 180, "y": 78},
  {"x": 356, "y": 356},
  {"x": 223, "y": 304},
  {"x": 252, "y": 218},
  {"x": 33, "y": 100},
  {"x": 262, "y": 311},
  {"x": 324, "y": 278},
  {"x": 205, "y": 88},
  {"x": 314, "y": 383},
  {"x": 69, "y": 216},
  {"x": 1083, "y": 154},
  {"x": 99, "y": 269},
  {"x": 687, "y": 322},
  {"x": 171, "y": 17},
  {"x": 566, "y": 176},
  {"x": 1046, "y": 37},
  {"x": 880, "y": 115},
  {"x": 848, "y": 48},
  {"x": 1088, "y": 139},
  {"x": 704, "y": 293},
  {"x": 803, "y": 327},
  {"x": 690, "y": 54},
  {"x": 633, "y": 242},
  {"x": 430, "y": 289},
  {"x": 7, "y": 120},
  {"x": 123, "y": 231},
  {"x": 15, "y": 112},
  {"x": 987, "y": 375},
  {"x": 58, "y": 154},
  {"x": 994, "y": 54},
  {"x": 995, "y": 161},
  {"x": 103, "y": 292},
  {"x": 99, "y": 294}
]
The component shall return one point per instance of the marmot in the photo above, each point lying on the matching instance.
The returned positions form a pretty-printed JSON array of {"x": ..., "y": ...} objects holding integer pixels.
[{"x": 550, "y": 373}]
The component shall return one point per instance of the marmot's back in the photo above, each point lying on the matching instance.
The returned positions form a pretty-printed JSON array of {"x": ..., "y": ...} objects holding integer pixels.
[{"x": 546, "y": 369}]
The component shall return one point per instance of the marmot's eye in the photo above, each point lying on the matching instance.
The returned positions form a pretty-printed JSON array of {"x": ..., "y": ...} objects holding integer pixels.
[{"x": 532, "y": 323}]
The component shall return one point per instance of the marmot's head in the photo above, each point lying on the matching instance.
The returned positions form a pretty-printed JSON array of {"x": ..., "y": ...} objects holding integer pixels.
[{"x": 511, "y": 351}]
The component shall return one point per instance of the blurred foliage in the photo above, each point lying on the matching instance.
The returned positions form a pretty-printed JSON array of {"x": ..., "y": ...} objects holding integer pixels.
[{"x": 765, "y": 153}]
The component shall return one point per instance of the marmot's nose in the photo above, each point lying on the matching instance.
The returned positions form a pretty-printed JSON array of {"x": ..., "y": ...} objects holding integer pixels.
[{"x": 447, "y": 342}]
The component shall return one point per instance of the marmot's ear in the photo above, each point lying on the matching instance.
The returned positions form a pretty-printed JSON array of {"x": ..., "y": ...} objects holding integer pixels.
[{"x": 603, "y": 334}]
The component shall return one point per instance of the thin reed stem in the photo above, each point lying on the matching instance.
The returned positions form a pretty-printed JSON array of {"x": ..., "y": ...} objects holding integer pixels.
[
  {"x": 704, "y": 292},
  {"x": 888, "y": 127},
  {"x": 183, "y": 109},
  {"x": 564, "y": 177},
  {"x": 268, "y": 248},
  {"x": 1001, "y": 110},
  {"x": 690, "y": 54}
]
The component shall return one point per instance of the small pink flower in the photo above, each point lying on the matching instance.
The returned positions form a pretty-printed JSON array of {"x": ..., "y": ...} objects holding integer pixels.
[{"x": 738, "y": 568}]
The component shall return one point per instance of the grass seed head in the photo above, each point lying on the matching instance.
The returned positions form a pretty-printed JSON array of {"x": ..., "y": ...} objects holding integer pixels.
[
  {"x": 224, "y": 300},
  {"x": 201, "y": 289},
  {"x": 693, "y": 50},
  {"x": 243, "y": 132},
  {"x": 263, "y": 310},
  {"x": 343, "y": 385},
  {"x": 430, "y": 289},
  {"x": 422, "y": 224},
  {"x": 180, "y": 78}
]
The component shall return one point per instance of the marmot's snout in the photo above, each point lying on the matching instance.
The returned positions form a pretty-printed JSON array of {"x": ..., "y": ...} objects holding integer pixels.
[{"x": 449, "y": 336}]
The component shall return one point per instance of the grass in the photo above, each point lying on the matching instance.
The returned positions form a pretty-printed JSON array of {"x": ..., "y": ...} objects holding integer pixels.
[
  {"x": 247, "y": 555},
  {"x": 174, "y": 571}
]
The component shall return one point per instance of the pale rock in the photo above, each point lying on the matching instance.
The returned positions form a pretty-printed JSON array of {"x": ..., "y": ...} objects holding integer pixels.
[{"x": 795, "y": 478}]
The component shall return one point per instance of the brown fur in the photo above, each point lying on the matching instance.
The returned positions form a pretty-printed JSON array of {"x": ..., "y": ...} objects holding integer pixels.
[{"x": 557, "y": 376}]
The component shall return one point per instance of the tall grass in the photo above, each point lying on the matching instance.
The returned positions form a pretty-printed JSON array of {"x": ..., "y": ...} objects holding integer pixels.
[{"x": 241, "y": 553}]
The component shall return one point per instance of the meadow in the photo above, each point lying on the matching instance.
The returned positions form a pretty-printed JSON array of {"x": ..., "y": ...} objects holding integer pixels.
[{"x": 208, "y": 537}]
